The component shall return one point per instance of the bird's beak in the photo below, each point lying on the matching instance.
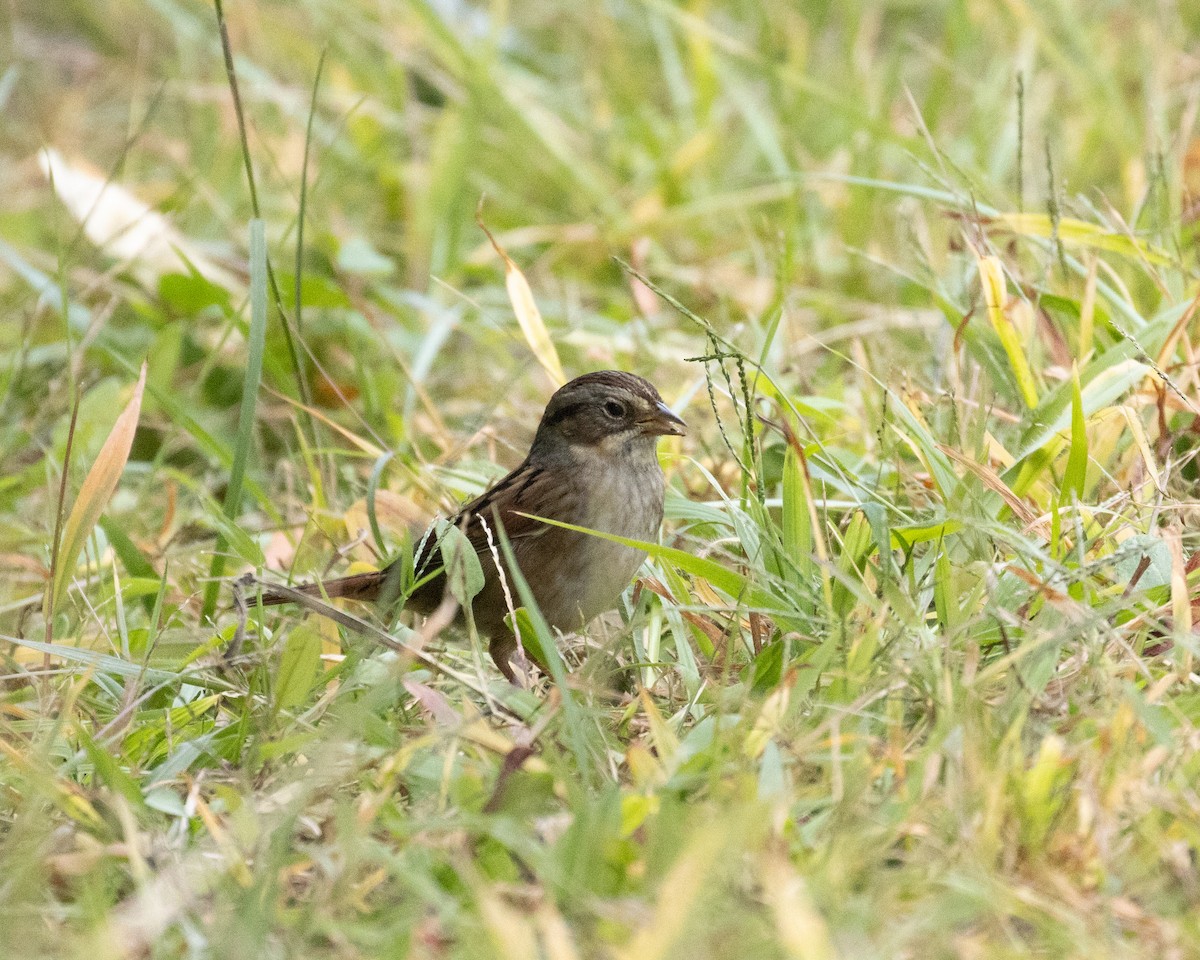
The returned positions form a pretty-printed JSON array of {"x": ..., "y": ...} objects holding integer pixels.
[{"x": 663, "y": 422}]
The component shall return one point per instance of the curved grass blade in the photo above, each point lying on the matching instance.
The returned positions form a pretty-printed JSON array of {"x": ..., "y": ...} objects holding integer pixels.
[
  {"x": 526, "y": 309},
  {"x": 98, "y": 487},
  {"x": 728, "y": 581},
  {"x": 991, "y": 275}
]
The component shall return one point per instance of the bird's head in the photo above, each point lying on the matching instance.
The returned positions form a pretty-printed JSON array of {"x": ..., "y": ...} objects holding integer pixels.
[{"x": 609, "y": 410}]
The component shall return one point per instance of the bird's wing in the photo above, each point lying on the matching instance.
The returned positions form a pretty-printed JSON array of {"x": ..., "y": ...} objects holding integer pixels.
[{"x": 527, "y": 490}]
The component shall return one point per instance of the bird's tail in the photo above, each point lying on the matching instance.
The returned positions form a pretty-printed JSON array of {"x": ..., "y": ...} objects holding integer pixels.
[{"x": 361, "y": 586}]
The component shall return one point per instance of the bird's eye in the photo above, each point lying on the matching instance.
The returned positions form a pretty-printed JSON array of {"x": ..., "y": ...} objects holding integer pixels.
[{"x": 614, "y": 409}]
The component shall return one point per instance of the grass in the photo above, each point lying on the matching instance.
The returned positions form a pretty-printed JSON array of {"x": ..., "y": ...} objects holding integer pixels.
[{"x": 912, "y": 673}]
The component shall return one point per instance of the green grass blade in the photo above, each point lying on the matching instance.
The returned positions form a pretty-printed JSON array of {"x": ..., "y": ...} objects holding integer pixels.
[
  {"x": 245, "y": 429},
  {"x": 1075, "y": 475}
]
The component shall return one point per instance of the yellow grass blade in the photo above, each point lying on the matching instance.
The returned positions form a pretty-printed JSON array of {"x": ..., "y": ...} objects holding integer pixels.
[
  {"x": 802, "y": 930},
  {"x": 528, "y": 315},
  {"x": 1143, "y": 446},
  {"x": 96, "y": 491},
  {"x": 666, "y": 744},
  {"x": 1087, "y": 313},
  {"x": 1089, "y": 236},
  {"x": 991, "y": 275},
  {"x": 679, "y": 894},
  {"x": 1181, "y": 600}
]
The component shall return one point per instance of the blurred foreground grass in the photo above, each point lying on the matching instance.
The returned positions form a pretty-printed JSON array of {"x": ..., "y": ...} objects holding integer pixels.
[{"x": 921, "y": 683}]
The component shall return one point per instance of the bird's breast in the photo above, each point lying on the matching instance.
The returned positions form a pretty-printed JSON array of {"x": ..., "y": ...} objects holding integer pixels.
[{"x": 627, "y": 501}]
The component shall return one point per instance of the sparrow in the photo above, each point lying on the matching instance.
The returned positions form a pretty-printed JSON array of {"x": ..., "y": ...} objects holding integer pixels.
[{"x": 593, "y": 464}]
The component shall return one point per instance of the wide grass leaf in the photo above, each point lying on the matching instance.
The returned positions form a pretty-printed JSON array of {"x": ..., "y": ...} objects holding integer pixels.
[{"x": 298, "y": 666}]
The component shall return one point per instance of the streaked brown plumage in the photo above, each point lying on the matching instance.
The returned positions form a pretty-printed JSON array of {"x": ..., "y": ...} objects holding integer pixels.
[{"x": 593, "y": 463}]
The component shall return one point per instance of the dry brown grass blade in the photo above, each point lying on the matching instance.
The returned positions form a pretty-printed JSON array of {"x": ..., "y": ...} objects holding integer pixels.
[
  {"x": 243, "y": 595},
  {"x": 711, "y": 629},
  {"x": 97, "y": 489},
  {"x": 990, "y": 479},
  {"x": 125, "y": 227},
  {"x": 370, "y": 449}
]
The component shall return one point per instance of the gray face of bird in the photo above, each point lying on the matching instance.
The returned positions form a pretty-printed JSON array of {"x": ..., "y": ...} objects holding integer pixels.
[{"x": 609, "y": 410}]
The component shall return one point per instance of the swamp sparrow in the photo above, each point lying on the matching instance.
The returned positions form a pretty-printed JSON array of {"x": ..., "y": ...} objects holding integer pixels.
[{"x": 593, "y": 464}]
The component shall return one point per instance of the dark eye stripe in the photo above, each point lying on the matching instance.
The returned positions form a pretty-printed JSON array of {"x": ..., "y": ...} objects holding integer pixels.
[{"x": 568, "y": 411}]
